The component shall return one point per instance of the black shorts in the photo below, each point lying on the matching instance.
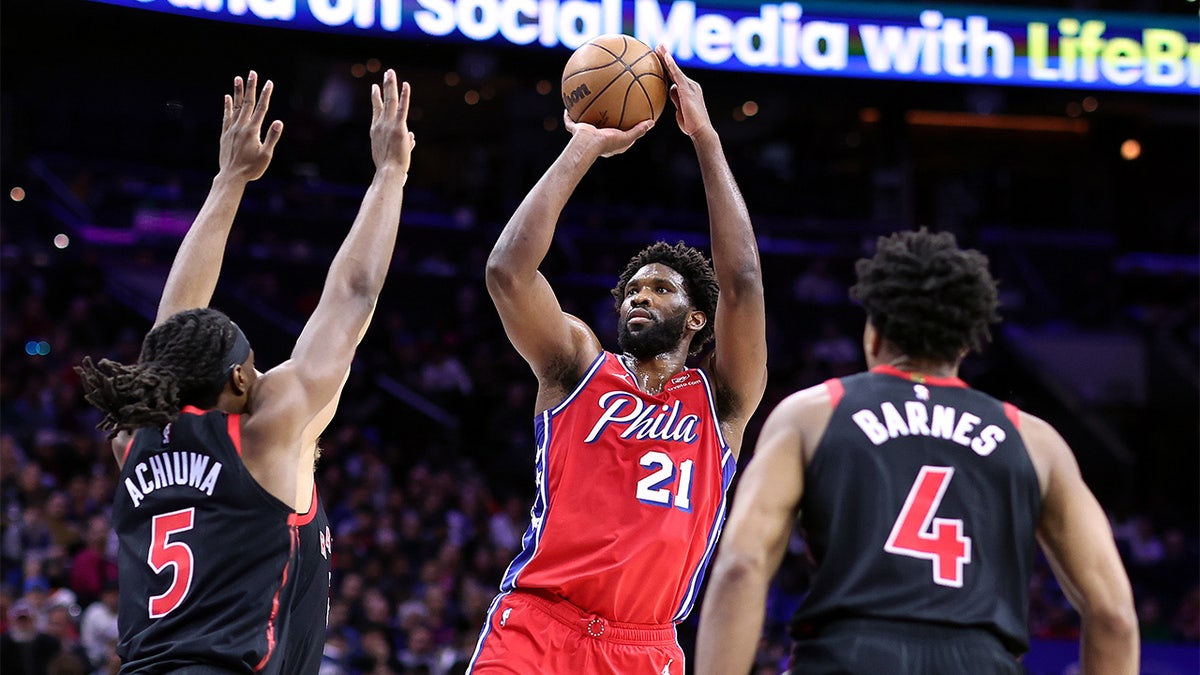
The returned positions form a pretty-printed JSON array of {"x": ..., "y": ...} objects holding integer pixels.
[{"x": 872, "y": 646}]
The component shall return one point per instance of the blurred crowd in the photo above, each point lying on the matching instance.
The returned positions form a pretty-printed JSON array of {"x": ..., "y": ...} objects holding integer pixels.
[{"x": 426, "y": 472}]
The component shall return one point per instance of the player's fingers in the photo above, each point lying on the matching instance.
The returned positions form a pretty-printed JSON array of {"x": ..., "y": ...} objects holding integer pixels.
[
  {"x": 568, "y": 123},
  {"x": 273, "y": 134},
  {"x": 405, "y": 97},
  {"x": 391, "y": 93},
  {"x": 227, "y": 113},
  {"x": 376, "y": 103},
  {"x": 669, "y": 62},
  {"x": 264, "y": 102},
  {"x": 385, "y": 92},
  {"x": 251, "y": 93},
  {"x": 239, "y": 93},
  {"x": 412, "y": 141},
  {"x": 641, "y": 128}
]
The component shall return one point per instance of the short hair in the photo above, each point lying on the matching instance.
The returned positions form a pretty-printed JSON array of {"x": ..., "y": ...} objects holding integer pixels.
[
  {"x": 182, "y": 363},
  {"x": 927, "y": 296},
  {"x": 699, "y": 281}
]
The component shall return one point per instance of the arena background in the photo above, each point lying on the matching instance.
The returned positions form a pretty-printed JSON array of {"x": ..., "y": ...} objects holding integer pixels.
[{"x": 108, "y": 141}]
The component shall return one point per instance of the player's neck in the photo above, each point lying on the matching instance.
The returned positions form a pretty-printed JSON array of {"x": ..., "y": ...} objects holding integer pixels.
[
  {"x": 651, "y": 374},
  {"x": 909, "y": 364}
]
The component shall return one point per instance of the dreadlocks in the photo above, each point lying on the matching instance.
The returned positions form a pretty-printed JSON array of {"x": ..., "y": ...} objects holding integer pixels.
[
  {"x": 927, "y": 296},
  {"x": 182, "y": 363},
  {"x": 700, "y": 282}
]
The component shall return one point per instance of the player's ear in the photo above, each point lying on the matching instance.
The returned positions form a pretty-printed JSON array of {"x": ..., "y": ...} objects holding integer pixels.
[
  {"x": 696, "y": 320},
  {"x": 872, "y": 340},
  {"x": 238, "y": 382}
]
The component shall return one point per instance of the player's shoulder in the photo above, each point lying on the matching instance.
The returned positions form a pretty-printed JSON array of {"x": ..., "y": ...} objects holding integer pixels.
[
  {"x": 1036, "y": 431},
  {"x": 815, "y": 399},
  {"x": 584, "y": 346}
]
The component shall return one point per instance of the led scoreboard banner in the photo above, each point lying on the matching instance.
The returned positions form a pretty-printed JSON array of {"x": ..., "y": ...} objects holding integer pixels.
[{"x": 930, "y": 42}]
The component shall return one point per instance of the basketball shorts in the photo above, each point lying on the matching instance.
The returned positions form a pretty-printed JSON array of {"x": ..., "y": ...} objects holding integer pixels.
[
  {"x": 537, "y": 632},
  {"x": 872, "y": 646}
]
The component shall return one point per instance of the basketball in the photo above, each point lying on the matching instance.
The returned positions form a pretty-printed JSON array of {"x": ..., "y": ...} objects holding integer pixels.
[{"x": 614, "y": 81}]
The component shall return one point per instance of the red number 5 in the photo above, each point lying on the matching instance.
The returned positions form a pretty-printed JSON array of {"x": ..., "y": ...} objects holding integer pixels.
[
  {"x": 175, "y": 553},
  {"x": 943, "y": 543}
]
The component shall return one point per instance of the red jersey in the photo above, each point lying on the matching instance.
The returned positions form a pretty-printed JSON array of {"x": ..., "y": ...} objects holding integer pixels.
[{"x": 630, "y": 495}]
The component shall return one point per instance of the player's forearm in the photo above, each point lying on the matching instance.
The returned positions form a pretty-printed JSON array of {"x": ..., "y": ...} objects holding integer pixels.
[
  {"x": 1109, "y": 643},
  {"x": 734, "y": 250},
  {"x": 362, "y": 262},
  {"x": 731, "y": 619},
  {"x": 197, "y": 266},
  {"x": 527, "y": 237}
]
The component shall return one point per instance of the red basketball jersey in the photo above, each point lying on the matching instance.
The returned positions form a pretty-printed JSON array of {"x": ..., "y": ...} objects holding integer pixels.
[{"x": 630, "y": 496}]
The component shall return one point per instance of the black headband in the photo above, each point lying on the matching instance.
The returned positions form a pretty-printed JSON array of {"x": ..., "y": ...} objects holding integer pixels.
[{"x": 238, "y": 352}]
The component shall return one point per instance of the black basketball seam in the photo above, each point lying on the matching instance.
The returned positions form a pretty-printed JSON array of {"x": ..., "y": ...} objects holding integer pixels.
[
  {"x": 625, "y": 103},
  {"x": 616, "y": 59},
  {"x": 619, "y": 58},
  {"x": 625, "y": 48},
  {"x": 637, "y": 77},
  {"x": 596, "y": 97}
]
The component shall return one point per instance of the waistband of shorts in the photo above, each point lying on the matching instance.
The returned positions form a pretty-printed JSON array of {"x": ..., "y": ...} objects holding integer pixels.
[
  {"x": 594, "y": 625},
  {"x": 909, "y": 628}
]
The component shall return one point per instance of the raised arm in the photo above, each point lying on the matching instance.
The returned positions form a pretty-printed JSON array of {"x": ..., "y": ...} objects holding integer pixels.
[
  {"x": 755, "y": 538},
  {"x": 1077, "y": 540},
  {"x": 243, "y": 158},
  {"x": 533, "y": 319},
  {"x": 286, "y": 400},
  {"x": 739, "y": 361}
]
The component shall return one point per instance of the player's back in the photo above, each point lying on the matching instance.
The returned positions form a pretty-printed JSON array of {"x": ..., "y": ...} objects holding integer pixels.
[
  {"x": 310, "y": 604},
  {"x": 920, "y": 504},
  {"x": 205, "y": 552}
]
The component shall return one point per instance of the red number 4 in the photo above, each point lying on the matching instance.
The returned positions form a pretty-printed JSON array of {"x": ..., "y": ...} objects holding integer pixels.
[
  {"x": 175, "y": 553},
  {"x": 943, "y": 543}
]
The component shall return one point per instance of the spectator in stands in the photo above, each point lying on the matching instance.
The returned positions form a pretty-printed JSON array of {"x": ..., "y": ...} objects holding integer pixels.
[
  {"x": 98, "y": 627},
  {"x": 92, "y": 568},
  {"x": 25, "y": 650}
]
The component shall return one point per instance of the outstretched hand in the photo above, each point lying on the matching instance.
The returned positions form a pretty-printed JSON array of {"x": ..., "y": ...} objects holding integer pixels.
[
  {"x": 606, "y": 142},
  {"x": 391, "y": 141},
  {"x": 243, "y": 154},
  {"x": 690, "y": 111}
]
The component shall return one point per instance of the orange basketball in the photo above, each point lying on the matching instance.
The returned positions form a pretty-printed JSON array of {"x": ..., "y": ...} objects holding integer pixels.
[{"x": 614, "y": 81}]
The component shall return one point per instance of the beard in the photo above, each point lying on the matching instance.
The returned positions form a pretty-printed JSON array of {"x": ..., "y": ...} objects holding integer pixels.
[{"x": 654, "y": 338}]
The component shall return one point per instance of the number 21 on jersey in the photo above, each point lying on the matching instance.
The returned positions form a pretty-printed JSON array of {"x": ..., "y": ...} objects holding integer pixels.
[{"x": 917, "y": 534}]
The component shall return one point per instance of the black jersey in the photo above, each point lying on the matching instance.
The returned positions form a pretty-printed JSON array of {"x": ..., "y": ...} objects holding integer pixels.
[
  {"x": 920, "y": 503},
  {"x": 309, "y": 612},
  {"x": 205, "y": 552}
]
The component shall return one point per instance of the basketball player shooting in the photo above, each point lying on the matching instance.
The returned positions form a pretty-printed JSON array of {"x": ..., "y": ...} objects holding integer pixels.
[{"x": 634, "y": 450}]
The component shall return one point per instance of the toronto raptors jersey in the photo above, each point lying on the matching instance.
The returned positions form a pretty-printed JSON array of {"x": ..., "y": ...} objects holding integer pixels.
[
  {"x": 920, "y": 503},
  {"x": 205, "y": 552},
  {"x": 309, "y": 614},
  {"x": 630, "y": 496}
]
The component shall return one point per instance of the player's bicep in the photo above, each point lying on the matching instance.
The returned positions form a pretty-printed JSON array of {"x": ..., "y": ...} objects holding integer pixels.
[
  {"x": 739, "y": 359},
  {"x": 1074, "y": 531},
  {"x": 536, "y": 325}
]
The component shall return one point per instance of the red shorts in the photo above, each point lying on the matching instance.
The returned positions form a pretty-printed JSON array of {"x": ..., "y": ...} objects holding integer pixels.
[{"x": 538, "y": 632}]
